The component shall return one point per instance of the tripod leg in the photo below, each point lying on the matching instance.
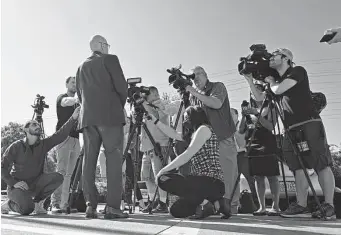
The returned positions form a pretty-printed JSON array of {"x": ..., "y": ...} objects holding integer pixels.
[
  {"x": 75, "y": 183},
  {"x": 297, "y": 153},
  {"x": 159, "y": 154},
  {"x": 279, "y": 145}
]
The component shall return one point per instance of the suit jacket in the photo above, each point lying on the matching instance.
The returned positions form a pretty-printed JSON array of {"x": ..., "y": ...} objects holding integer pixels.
[{"x": 102, "y": 91}]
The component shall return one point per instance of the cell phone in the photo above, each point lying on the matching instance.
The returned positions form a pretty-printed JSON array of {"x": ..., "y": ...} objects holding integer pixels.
[{"x": 328, "y": 37}]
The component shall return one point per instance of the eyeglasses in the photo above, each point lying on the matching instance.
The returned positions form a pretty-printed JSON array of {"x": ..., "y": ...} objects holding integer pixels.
[{"x": 106, "y": 44}]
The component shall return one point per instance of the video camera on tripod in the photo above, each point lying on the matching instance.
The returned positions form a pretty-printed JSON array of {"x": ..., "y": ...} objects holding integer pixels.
[
  {"x": 39, "y": 105},
  {"x": 135, "y": 92},
  {"x": 257, "y": 63}
]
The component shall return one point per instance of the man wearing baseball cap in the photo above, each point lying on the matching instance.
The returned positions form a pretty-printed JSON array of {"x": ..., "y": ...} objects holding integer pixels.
[{"x": 306, "y": 129}]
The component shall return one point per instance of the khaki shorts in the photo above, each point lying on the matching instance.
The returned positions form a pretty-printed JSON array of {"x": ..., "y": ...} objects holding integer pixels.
[{"x": 318, "y": 157}]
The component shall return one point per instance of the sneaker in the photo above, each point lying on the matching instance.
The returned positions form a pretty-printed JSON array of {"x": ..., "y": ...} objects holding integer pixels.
[
  {"x": 111, "y": 213},
  {"x": 148, "y": 208},
  {"x": 56, "y": 209},
  {"x": 5, "y": 208},
  {"x": 161, "y": 208},
  {"x": 328, "y": 210},
  {"x": 296, "y": 211},
  {"x": 39, "y": 208},
  {"x": 90, "y": 212}
]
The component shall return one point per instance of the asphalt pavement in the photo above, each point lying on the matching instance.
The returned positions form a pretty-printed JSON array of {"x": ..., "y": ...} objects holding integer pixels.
[{"x": 163, "y": 224}]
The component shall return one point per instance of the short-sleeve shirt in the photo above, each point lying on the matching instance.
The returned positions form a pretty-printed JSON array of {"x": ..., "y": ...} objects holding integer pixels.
[
  {"x": 296, "y": 103},
  {"x": 63, "y": 115},
  {"x": 220, "y": 119}
]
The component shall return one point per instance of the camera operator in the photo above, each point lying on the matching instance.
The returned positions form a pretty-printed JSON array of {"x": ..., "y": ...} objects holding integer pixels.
[
  {"x": 201, "y": 192},
  {"x": 102, "y": 91},
  {"x": 243, "y": 164},
  {"x": 68, "y": 151},
  {"x": 151, "y": 163},
  {"x": 262, "y": 155},
  {"x": 304, "y": 123},
  {"x": 213, "y": 98},
  {"x": 22, "y": 167}
]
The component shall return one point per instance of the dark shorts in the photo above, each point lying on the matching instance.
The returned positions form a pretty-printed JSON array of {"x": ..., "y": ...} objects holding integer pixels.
[{"x": 318, "y": 157}]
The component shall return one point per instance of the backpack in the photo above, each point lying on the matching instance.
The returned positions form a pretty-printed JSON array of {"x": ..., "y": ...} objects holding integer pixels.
[
  {"x": 247, "y": 205},
  {"x": 319, "y": 101}
]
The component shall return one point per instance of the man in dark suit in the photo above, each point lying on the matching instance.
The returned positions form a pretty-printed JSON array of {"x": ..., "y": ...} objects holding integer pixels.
[{"x": 102, "y": 91}]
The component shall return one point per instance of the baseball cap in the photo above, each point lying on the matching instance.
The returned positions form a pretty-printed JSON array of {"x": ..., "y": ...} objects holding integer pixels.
[{"x": 286, "y": 52}]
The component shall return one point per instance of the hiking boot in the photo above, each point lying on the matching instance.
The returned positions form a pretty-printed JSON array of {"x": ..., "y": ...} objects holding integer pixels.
[
  {"x": 91, "y": 212},
  {"x": 5, "y": 208},
  {"x": 161, "y": 208},
  {"x": 111, "y": 213},
  {"x": 296, "y": 211},
  {"x": 56, "y": 209},
  {"x": 39, "y": 208},
  {"x": 203, "y": 211},
  {"x": 329, "y": 212}
]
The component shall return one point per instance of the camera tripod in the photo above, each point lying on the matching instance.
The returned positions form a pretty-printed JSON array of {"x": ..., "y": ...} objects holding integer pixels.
[
  {"x": 135, "y": 131},
  {"x": 273, "y": 104},
  {"x": 184, "y": 103}
]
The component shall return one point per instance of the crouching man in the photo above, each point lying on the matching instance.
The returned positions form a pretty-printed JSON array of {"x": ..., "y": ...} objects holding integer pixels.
[{"x": 22, "y": 169}]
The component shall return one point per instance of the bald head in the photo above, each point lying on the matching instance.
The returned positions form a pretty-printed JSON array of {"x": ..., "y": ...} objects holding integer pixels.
[{"x": 100, "y": 44}]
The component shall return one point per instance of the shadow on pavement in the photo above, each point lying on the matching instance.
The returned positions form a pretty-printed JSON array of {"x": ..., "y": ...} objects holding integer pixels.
[
  {"x": 241, "y": 223},
  {"x": 72, "y": 226}
]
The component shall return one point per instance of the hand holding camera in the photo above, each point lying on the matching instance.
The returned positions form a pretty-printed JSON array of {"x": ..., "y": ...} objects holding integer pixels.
[
  {"x": 269, "y": 80},
  {"x": 249, "y": 110},
  {"x": 151, "y": 118}
]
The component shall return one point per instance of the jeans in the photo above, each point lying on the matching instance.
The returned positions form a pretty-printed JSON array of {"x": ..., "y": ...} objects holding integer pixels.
[
  {"x": 151, "y": 165},
  {"x": 228, "y": 160},
  {"x": 67, "y": 154},
  {"x": 22, "y": 201}
]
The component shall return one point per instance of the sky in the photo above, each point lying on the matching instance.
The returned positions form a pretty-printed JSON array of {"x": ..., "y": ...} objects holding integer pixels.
[{"x": 43, "y": 42}]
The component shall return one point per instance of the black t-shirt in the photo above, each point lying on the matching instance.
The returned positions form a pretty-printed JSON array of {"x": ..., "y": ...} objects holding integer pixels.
[
  {"x": 63, "y": 114},
  {"x": 296, "y": 102}
]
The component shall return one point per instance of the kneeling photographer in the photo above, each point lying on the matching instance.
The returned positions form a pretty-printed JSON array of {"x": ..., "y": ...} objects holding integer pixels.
[
  {"x": 262, "y": 153},
  {"x": 201, "y": 192}
]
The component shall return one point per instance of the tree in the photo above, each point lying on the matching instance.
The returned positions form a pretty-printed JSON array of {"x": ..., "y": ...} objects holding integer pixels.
[{"x": 11, "y": 133}]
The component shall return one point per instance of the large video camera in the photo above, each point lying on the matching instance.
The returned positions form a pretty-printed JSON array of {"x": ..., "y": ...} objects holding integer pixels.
[
  {"x": 39, "y": 105},
  {"x": 179, "y": 80},
  {"x": 134, "y": 92},
  {"x": 257, "y": 63}
]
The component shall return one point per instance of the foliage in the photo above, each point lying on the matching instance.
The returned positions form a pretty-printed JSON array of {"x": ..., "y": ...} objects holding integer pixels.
[
  {"x": 11, "y": 133},
  {"x": 51, "y": 161}
]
